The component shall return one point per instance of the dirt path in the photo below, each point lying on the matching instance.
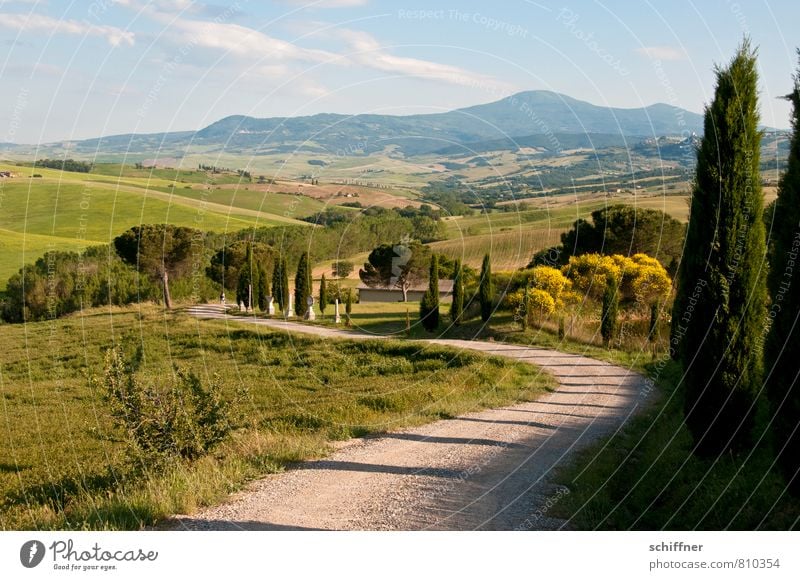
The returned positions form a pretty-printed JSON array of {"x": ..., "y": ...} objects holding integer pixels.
[{"x": 487, "y": 470}]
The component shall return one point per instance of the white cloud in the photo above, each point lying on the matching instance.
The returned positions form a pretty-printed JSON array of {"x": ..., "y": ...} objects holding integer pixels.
[
  {"x": 242, "y": 41},
  {"x": 367, "y": 51},
  {"x": 252, "y": 45},
  {"x": 27, "y": 22},
  {"x": 662, "y": 52}
]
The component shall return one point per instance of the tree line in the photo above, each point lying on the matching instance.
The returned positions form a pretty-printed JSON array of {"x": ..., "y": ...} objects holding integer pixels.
[
  {"x": 64, "y": 165},
  {"x": 157, "y": 262}
]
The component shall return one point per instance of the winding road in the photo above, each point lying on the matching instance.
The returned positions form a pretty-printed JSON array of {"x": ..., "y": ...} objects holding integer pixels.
[{"x": 489, "y": 470}]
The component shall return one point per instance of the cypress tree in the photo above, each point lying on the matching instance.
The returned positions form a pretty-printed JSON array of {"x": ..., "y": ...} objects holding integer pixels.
[
  {"x": 783, "y": 340},
  {"x": 323, "y": 295},
  {"x": 244, "y": 286},
  {"x": 486, "y": 290},
  {"x": 302, "y": 284},
  {"x": 608, "y": 321},
  {"x": 429, "y": 305},
  {"x": 263, "y": 287},
  {"x": 277, "y": 286},
  {"x": 255, "y": 283},
  {"x": 284, "y": 283},
  {"x": 719, "y": 309},
  {"x": 457, "y": 306}
]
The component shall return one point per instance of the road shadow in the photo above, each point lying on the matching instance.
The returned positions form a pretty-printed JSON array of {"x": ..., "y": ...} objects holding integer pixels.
[
  {"x": 512, "y": 422},
  {"x": 450, "y": 440},
  {"x": 198, "y": 525},
  {"x": 378, "y": 468}
]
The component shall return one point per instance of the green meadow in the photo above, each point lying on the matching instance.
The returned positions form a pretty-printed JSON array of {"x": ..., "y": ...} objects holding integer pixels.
[{"x": 63, "y": 463}]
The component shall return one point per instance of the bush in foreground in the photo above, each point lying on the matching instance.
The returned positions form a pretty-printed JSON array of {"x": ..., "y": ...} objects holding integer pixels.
[{"x": 184, "y": 419}]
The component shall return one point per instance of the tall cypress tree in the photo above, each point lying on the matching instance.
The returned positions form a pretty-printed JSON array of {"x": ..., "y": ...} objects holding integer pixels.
[
  {"x": 783, "y": 341},
  {"x": 429, "y": 305},
  {"x": 263, "y": 287},
  {"x": 486, "y": 290},
  {"x": 719, "y": 311},
  {"x": 302, "y": 284},
  {"x": 323, "y": 295},
  {"x": 284, "y": 282},
  {"x": 277, "y": 286},
  {"x": 457, "y": 306},
  {"x": 244, "y": 287}
]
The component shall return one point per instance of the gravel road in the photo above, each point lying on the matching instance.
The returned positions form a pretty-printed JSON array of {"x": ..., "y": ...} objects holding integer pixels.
[{"x": 488, "y": 470}]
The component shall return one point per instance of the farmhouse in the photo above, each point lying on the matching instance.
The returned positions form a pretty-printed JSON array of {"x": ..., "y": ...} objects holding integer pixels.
[{"x": 394, "y": 294}]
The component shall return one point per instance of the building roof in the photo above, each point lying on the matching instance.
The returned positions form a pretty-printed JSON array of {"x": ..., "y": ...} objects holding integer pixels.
[{"x": 445, "y": 286}]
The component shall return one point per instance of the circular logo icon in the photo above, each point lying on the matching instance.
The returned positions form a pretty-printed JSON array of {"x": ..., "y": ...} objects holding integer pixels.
[{"x": 31, "y": 553}]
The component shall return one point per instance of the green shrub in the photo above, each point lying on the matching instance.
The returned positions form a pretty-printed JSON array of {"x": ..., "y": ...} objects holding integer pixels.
[{"x": 183, "y": 419}]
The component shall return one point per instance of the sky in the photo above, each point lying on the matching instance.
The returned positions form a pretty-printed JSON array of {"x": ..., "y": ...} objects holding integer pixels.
[{"x": 82, "y": 69}]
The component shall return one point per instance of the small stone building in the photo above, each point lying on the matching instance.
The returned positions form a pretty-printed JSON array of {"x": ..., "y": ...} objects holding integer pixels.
[{"x": 415, "y": 293}]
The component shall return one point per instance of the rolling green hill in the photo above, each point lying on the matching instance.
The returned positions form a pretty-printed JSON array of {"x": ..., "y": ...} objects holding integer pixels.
[{"x": 70, "y": 211}]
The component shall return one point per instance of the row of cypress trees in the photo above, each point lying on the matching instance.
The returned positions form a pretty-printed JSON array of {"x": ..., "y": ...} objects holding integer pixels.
[
  {"x": 252, "y": 287},
  {"x": 723, "y": 313},
  {"x": 254, "y": 284},
  {"x": 429, "y": 305}
]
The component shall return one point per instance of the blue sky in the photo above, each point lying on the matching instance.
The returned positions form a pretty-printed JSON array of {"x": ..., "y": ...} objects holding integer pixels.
[{"x": 81, "y": 69}]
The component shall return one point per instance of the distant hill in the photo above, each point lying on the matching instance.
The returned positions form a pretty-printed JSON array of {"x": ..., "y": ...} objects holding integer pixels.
[{"x": 521, "y": 115}]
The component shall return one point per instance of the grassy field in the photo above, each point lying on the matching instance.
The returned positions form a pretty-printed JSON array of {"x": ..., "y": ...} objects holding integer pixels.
[
  {"x": 510, "y": 249},
  {"x": 63, "y": 464},
  {"x": 646, "y": 477},
  {"x": 69, "y": 211},
  {"x": 18, "y": 249}
]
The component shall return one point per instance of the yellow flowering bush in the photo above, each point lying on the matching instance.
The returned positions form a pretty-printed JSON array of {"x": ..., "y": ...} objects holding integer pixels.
[{"x": 589, "y": 273}]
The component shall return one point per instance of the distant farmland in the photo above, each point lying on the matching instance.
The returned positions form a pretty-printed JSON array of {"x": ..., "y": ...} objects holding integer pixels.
[{"x": 510, "y": 249}]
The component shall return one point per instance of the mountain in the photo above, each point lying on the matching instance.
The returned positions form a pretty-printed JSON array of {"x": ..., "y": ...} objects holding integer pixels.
[{"x": 525, "y": 114}]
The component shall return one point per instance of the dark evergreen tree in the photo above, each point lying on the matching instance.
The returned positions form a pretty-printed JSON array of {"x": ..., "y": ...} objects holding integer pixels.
[
  {"x": 610, "y": 312},
  {"x": 263, "y": 288},
  {"x": 284, "y": 284},
  {"x": 783, "y": 341},
  {"x": 302, "y": 284},
  {"x": 457, "y": 306},
  {"x": 228, "y": 260},
  {"x": 718, "y": 315},
  {"x": 486, "y": 289},
  {"x": 245, "y": 286},
  {"x": 429, "y": 305},
  {"x": 396, "y": 266},
  {"x": 277, "y": 284},
  {"x": 323, "y": 295},
  {"x": 621, "y": 229}
]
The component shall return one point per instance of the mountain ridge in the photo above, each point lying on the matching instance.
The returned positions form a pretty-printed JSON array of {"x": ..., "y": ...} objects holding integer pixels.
[{"x": 522, "y": 114}]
